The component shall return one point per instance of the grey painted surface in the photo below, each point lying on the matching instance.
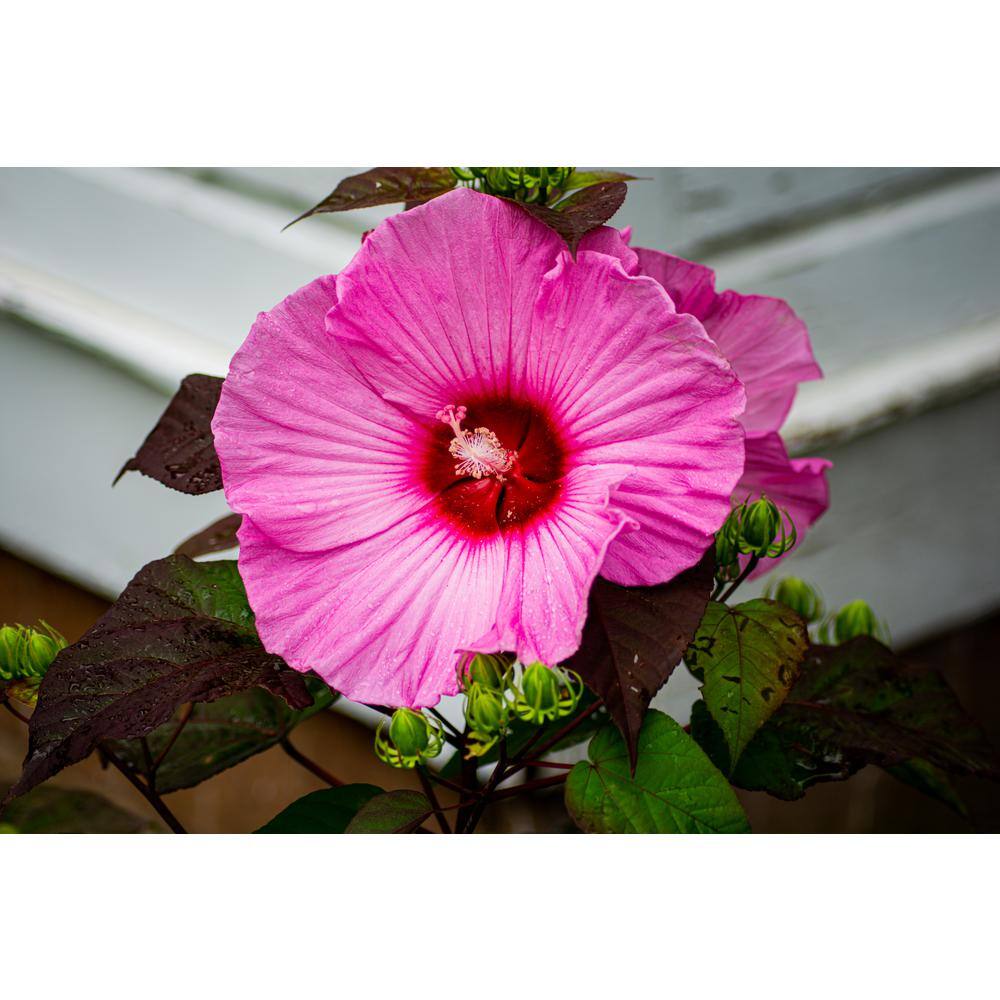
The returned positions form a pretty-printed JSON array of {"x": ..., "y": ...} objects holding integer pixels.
[
  {"x": 147, "y": 257},
  {"x": 69, "y": 422},
  {"x": 679, "y": 206}
]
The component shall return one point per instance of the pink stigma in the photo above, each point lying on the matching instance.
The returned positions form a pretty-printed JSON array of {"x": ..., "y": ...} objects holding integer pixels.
[{"x": 480, "y": 453}]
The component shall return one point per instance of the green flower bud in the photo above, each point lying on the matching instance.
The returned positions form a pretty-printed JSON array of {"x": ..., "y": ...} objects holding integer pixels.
[
  {"x": 760, "y": 527},
  {"x": 410, "y": 731},
  {"x": 412, "y": 739},
  {"x": 854, "y": 619},
  {"x": 727, "y": 546},
  {"x": 478, "y": 744},
  {"x": 528, "y": 184},
  {"x": 42, "y": 650},
  {"x": 26, "y": 652},
  {"x": 11, "y": 641},
  {"x": 727, "y": 541},
  {"x": 547, "y": 693},
  {"x": 485, "y": 709},
  {"x": 797, "y": 595},
  {"x": 24, "y": 690},
  {"x": 493, "y": 672}
]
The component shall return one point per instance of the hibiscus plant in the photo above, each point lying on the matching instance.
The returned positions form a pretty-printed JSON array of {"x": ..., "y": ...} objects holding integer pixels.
[{"x": 504, "y": 456}]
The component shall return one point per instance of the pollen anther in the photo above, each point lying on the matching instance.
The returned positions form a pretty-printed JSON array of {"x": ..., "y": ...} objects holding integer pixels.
[{"x": 479, "y": 452}]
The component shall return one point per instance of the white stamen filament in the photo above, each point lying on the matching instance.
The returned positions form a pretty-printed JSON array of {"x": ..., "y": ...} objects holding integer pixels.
[{"x": 480, "y": 452}]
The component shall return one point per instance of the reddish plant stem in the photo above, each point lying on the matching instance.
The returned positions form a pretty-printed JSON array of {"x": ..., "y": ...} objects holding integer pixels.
[
  {"x": 747, "y": 570},
  {"x": 147, "y": 792},
  {"x": 13, "y": 711},
  {"x": 469, "y": 786},
  {"x": 495, "y": 778},
  {"x": 553, "y": 764},
  {"x": 309, "y": 765},
  {"x": 433, "y": 799},
  {"x": 438, "y": 779},
  {"x": 529, "y": 786},
  {"x": 519, "y": 763},
  {"x": 181, "y": 723}
]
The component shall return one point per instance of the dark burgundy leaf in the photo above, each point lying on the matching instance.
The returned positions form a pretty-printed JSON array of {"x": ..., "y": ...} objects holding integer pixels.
[
  {"x": 180, "y": 451},
  {"x": 384, "y": 186},
  {"x": 576, "y": 215},
  {"x": 853, "y": 705},
  {"x": 180, "y": 632},
  {"x": 866, "y": 699},
  {"x": 203, "y": 740},
  {"x": 217, "y": 537},
  {"x": 633, "y": 639}
]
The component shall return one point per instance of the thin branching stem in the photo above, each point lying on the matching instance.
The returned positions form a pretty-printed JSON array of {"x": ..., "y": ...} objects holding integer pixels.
[
  {"x": 308, "y": 764},
  {"x": 181, "y": 723},
  {"x": 13, "y": 711},
  {"x": 747, "y": 570},
  {"x": 146, "y": 791},
  {"x": 433, "y": 799}
]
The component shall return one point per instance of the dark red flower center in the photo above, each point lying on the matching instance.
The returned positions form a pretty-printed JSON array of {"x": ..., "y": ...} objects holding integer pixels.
[{"x": 493, "y": 464}]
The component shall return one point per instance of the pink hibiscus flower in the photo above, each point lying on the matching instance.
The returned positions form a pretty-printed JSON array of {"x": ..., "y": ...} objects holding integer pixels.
[
  {"x": 440, "y": 448},
  {"x": 768, "y": 346}
]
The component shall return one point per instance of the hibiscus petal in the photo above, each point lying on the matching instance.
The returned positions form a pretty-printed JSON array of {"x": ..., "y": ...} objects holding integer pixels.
[
  {"x": 438, "y": 300},
  {"x": 307, "y": 449},
  {"x": 797, "y": 485},
  {"x": 611, "y": 241},
  {"x": 380, "y": 620},
  {"x": 551, "y": 566},
  {"x": 632, "y": 382},
  {"x": 763, "y": 338}
]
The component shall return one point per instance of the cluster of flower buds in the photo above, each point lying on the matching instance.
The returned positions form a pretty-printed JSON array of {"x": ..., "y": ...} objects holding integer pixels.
[
  {"x": 412, "y": 739},
  {"x": 25, "y": 656},
  {"x": 496, "y": 694},
  {"x": 797, "y": 595},
  {"x": 527, "y": 184},
  {"x": 489, "y": 686},
  {"x": 756, "y": 528},
  {"x": 852, "y": 620}
]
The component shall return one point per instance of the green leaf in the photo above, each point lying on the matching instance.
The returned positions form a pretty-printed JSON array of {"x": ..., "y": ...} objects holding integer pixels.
[
  {"x": 781, "y": 761},
  {"x": 747, "y": 658},
  {"x": 391, "y": 812},
  {"x": 675, "y": 788},
  {"x": 863, "y": 697},
  {"x": 588, "y": 178},
  {"x": 853, "y": 705},
  {"x": 384, "y": 186},
  {"x": 180, "y": 632},
  {"x": 930, "y": 780},
  {"x": 68, "y": 810},
  {"x": 219, "y": 735},
  {"x": 326, "y": 811}
]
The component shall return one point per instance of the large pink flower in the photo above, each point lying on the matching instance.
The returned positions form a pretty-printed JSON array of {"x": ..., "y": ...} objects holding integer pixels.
[
  {"x": 768, "y": 346},
  {"x": 440, "y": 448}
]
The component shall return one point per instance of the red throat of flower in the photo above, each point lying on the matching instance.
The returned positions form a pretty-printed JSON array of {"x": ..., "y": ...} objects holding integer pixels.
[{"x": 502, "y": 473}]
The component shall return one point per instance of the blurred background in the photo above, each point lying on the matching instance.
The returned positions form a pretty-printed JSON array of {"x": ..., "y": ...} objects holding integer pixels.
[{"x": 115, "y": 283}]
